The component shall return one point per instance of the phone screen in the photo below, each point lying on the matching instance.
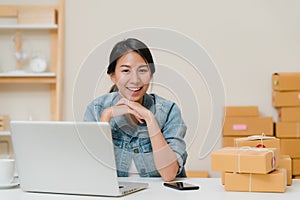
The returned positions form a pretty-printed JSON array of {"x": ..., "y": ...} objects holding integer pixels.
[{"x": 181, "y": 186}]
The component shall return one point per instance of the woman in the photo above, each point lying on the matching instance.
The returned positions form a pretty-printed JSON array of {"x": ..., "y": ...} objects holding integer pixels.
[{"x": 147, "y": 130}]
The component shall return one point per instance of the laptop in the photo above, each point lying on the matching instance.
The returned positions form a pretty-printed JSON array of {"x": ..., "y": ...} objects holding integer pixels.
[{"x": 68, "y": 158}]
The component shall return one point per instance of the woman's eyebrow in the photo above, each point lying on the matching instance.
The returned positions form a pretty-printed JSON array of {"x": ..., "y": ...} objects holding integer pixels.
[
  {"x": 125, "y": 66},
  {"x": 144, "y": 65}
]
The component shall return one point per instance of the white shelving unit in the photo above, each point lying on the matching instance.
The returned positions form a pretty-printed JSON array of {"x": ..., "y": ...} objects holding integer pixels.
[{"x": 21, "y": 18}]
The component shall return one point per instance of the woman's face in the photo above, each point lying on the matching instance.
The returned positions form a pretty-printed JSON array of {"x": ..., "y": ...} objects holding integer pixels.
[{"x": 132, "y": 76}]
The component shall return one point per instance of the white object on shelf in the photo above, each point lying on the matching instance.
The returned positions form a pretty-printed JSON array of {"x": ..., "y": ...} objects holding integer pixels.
[{"x": 38, "y": 64}]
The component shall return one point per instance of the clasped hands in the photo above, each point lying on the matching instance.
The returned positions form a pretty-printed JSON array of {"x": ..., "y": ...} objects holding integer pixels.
[{"x": 124, "y": 107}]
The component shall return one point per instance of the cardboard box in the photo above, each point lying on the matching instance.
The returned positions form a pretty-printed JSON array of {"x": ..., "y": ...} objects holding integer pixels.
[
  {"x": 244, "y": 160},
  {"x": 4, "y": 122},
  {"x": 287, "y": 129},
  {"x": 39, "y": 15},
  {"x": 286, "y": 99},
  {"x": 241, "y": 111},
  {"x": 289, "y": 114},
  {"x": 245, "y": 126},
  {"x": 290, "y": 147},
  {"x": 285, "y": 161},
  {"x": 228, "y": 141},
  {"x": 258, "y": 141},
  {"x": 196, "y": 174},
  {"x": 296, "y": 166},
  {"x": 286, "y": 81},
  {"x": 272, "y": 182}
]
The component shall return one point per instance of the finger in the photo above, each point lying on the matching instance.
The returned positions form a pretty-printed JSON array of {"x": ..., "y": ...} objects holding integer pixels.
[
  {"x": 122, "y": 101},
  {"x": 133, "y": 105},
  {"x": 138, "y": 117},
  {"x": 124, "y": 109}
]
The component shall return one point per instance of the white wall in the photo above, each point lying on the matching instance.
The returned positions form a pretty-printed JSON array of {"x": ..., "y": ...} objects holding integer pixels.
[{"x": 248, "y": 40}]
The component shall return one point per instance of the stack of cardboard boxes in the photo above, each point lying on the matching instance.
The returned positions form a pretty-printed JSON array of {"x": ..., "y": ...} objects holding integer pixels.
[
  {"x": 286, "y": 99},
  {"x": 241, "y": 121},
  {"x": 249, "y": 169},
  {"x": 248, "y": 138}
]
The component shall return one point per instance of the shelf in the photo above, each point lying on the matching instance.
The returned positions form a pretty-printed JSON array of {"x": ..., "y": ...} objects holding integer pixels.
[
  {"x": 27, "y": 80},
  {"x": 28, "y": 26},
  {"x": 27, "y": 77},
  {"x": 4, "y": 133},
  {"x": 20, "y": 73}
]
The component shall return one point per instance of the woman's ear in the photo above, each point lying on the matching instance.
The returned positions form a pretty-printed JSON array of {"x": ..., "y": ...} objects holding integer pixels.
[{"x": 112, "y": 77}]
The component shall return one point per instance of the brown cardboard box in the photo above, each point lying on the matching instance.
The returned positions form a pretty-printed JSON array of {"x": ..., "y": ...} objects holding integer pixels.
[
  {"x": 290, "y": 147},
  {"x": 289, "y": 114},
  {"x": 272, "y": 182},
  {"x": 286, "y": 81},
  {"x": 39, "y": 15},
  {"x": 287, "y": 129},
  {"x": 285, "y": 161},
  {"x": 244, "y": 160},
  {"x": 241, "y": 111},
  {"x": 258, "y": 141},
  {"x": 197, "y": 174},
  {"x": 286, "y": 99},
  {"x": 296, "y": 166},
  {"x": 245, "y": 126},
  {"x": 228, "y": 141}
]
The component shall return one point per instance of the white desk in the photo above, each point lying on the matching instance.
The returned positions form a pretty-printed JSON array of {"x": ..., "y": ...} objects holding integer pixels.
[{"x": 210, "y": 188}]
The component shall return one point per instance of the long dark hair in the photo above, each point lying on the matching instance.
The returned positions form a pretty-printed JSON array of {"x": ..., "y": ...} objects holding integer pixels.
[{"x": 125, "y": 46}]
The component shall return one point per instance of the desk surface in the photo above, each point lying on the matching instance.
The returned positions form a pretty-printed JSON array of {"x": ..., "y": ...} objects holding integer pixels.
[{"x": 209, "y": 188}]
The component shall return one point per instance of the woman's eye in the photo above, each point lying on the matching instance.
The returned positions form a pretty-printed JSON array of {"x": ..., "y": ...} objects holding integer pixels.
[
  {"x": 143, "y": 70},
  {"x": 125, "y": 70}
]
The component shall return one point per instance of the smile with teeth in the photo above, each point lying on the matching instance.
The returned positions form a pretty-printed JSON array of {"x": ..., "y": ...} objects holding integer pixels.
[{"x": 134, "y": 89}]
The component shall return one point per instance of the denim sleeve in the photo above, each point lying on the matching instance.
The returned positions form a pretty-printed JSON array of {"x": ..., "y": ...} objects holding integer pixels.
[
  {"x": 174, "y": 132},
  {"x": 91, "y": 113}
]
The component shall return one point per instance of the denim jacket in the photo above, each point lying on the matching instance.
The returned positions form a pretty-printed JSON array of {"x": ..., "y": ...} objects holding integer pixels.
[{"x": 133, "y": 142}]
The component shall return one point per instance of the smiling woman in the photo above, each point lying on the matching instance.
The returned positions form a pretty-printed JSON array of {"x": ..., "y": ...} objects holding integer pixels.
[{"x": 147, "y": 130}]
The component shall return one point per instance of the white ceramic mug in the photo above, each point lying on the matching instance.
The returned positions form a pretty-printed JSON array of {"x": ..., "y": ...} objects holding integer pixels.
[{"x": 7, "y": 170}]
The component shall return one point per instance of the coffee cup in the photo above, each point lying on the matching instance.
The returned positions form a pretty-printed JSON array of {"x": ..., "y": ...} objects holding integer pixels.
[{"x": 7, "y": 170}]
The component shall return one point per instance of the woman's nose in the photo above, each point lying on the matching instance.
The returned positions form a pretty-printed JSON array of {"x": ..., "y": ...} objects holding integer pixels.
[{"x": 135, "y": 78}]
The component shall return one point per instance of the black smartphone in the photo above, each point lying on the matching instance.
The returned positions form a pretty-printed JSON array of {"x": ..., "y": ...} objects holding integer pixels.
[{"x": 181, "y": 186}]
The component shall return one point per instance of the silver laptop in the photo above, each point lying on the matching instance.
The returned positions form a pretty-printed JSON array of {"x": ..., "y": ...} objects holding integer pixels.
[{"x": 67, "y": 157}]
